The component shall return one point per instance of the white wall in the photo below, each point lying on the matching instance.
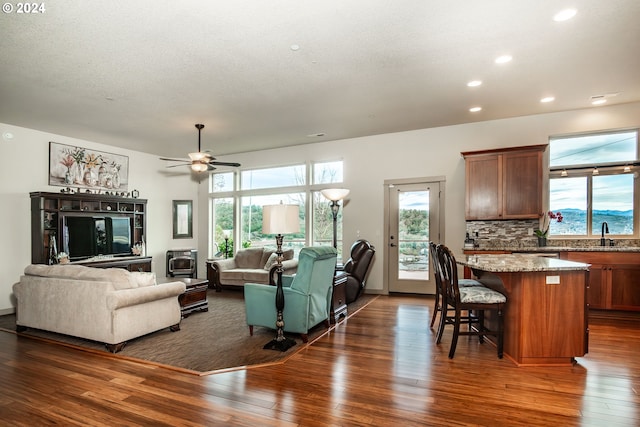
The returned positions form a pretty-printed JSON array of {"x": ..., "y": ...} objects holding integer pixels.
[
  {"x": 369, "y": 161},
  {"x": 24, "y": 166}
]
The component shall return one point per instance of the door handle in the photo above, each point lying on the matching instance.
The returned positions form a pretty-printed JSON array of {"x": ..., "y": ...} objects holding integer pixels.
[{"x": 393, "y": 245}]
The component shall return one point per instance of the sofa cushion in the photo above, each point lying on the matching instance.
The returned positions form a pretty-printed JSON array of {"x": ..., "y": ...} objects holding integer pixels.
[
  {"x": 119, "y": 277},
  {"x": 249, "y": 258},
  {"x": 288, "y": 254},
  {"x": 255, "y": 276},
  {"x": 273, "y": 258},
  {"x": 266, "y": 253}
]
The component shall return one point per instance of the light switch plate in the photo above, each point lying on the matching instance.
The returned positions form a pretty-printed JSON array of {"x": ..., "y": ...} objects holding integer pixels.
[{"x": 553, "y": 280}]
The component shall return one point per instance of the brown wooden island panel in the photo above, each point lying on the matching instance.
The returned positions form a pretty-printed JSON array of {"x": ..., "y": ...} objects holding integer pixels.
[{"x": 545, "y": 324}]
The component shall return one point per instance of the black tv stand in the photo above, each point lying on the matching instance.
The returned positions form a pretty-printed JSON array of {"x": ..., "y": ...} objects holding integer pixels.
[{"x": 48, "y": 211}]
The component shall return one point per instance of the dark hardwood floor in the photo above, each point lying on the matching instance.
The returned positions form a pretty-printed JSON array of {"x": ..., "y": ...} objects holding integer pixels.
[{"x": 378, "y": 368}]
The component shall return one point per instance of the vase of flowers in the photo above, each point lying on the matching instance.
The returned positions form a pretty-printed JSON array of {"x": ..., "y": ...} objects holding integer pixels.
[
  {"x": 68, "y": 162},
  {"x": 63, "y": 258},
  {"x": 545, "y": 222}
]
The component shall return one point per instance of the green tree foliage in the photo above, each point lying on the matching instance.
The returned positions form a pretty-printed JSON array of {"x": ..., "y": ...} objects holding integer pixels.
[{"x": 413, "y": 223}]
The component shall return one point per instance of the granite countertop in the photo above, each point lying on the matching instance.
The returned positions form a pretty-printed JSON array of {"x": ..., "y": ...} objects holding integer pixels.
[
  {"x": 554, "y": 249},
  {"x": 516, "y": 263}
]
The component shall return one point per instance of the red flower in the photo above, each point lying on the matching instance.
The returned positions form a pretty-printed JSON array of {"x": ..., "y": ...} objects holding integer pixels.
[{"x": 546, "y": 220}]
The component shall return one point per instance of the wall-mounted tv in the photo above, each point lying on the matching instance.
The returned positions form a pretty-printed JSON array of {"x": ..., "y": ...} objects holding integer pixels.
[{"x": 86, "y": 236}]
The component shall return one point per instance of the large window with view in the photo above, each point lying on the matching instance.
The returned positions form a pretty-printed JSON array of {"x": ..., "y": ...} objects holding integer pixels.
[
  {"x": 236, "y": 206},
  {"x": 592, "y": 182}
]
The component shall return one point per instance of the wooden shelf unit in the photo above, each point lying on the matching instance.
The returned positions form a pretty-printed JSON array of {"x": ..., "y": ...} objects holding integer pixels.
[{"x": 48, "y": 211}]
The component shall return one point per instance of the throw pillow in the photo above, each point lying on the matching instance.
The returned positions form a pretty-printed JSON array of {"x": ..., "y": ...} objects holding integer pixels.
[
  {"x": 270, "y": 261},
  {"x": 288, "y": 254}
]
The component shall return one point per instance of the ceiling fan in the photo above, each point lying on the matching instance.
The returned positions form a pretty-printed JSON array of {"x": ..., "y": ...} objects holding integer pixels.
[{"x": 199, "y": 161}]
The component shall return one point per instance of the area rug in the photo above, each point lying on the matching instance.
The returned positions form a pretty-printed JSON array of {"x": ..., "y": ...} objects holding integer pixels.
[{"x": 208, "y": 342}]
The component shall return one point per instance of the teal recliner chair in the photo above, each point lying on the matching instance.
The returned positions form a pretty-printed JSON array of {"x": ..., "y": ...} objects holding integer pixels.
[{"x": 307, "y": 295}]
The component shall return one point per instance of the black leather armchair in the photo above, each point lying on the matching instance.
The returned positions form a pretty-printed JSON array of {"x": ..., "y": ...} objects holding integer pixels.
[{"x": 357, "y": 267}]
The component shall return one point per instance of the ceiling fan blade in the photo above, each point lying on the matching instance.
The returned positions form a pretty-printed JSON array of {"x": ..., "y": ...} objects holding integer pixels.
[
  {"x": 210, "y": 168},
  {"x": 235, "y": 165},
  {"x": 175, "y": 160},
  {"x": 176, "y": 166}
]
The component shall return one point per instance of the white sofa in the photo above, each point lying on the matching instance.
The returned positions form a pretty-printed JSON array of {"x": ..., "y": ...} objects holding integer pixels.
[{"x": 109, "y": 305}]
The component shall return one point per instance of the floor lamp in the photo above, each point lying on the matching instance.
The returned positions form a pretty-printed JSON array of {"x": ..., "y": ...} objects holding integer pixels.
[
  {"x": 280, "y": 219},
  {"x": 335, "y": 195}
]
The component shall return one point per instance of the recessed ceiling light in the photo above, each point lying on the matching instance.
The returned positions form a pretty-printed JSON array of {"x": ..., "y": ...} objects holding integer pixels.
[
  {"x": 564, "y": 15},
  {"x": 295, "y": 47},
  {"x": 474, "y": 83},
  {"x": 315, "y": 135},
  {"x": 503, "y": 59},
  {"x": 598, "y": 101},
  {"x": 7, "y": 136},
  {"x": 548, "y": 99},
  {"x": 475, "y": 109}
]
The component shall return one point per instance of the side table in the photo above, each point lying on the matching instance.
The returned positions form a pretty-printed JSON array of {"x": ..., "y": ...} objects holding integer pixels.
[
  {"x": 194, "y": 297},
  {"x": 339, "y": 298}
]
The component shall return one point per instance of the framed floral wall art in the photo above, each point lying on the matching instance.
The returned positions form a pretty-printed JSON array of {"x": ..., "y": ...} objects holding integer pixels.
[{"x": 84, "y": 168}]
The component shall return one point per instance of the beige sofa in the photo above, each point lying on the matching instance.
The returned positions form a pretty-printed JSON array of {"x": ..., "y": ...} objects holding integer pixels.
[
  {"x": 109, "y": 305},
  {"x": 251, "y": 265}
]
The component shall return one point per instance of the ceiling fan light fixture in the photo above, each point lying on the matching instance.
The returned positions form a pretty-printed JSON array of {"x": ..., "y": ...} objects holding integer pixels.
[
  {"x": 199, "y": 167},
  {"x": 199, "y": 161},
  {"x": 198, "y": 156}
]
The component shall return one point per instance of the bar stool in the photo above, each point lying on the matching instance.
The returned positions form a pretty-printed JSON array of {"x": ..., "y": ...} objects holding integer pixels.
[
  {"x": 472, "y": 299},
  {"x": 437, "y": 306}
]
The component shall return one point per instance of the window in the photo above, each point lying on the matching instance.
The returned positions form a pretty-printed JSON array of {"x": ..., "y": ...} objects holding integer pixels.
[
  {"x": 222, "y": 231},
  {"x": 285, "y": 176},
  {"x": 327, "y": 173},
  {"x": 591, "y": 181},
  {"x": 221, "y": 182},
  {"x": 237, "y": 212},
  {"x": 251, "y": 217}
]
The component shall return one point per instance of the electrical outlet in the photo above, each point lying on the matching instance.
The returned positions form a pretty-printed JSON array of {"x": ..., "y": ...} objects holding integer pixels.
[{"x": 553, "y": 280}]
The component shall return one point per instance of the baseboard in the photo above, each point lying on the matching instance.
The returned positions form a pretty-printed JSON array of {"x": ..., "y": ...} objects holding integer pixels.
[{"x": 6, "y": 311}]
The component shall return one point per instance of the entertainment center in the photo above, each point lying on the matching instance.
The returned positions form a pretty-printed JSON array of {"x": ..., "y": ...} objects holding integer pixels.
[{"x": 97, "y": 230}]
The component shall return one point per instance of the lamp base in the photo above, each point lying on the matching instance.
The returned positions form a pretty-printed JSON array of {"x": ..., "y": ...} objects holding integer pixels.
[{"x": 282, "y": 345}]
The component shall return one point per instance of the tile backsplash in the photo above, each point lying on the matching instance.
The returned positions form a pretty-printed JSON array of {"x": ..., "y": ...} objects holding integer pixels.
[{"x": 514, "y": 234}]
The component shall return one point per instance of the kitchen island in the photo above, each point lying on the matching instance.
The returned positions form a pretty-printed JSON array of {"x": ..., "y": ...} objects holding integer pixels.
[{"x": 546, "y": 316}]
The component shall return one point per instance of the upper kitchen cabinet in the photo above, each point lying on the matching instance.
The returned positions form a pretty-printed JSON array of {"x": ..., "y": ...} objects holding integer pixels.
[{"x": 504, "y": 183}]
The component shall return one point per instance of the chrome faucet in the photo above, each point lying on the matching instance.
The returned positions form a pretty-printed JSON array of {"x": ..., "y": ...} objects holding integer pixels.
[{"x": 605, "y": 229}]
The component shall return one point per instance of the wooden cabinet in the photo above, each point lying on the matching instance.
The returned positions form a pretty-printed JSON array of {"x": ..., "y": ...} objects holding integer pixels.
[
  {"x": 339, "y": 297},
  {"x": 504, "y": 183},
  {"x": 613, "y": 279},
  {"x": 48, "y": 212}
]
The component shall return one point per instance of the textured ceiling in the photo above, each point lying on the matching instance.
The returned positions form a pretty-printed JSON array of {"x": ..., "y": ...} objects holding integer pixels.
[{"x": 140, "y": 74}]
